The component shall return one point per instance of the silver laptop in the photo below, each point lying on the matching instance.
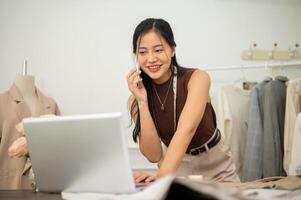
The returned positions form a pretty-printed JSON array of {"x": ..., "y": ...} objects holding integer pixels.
[{"x": 86, "y": 153}]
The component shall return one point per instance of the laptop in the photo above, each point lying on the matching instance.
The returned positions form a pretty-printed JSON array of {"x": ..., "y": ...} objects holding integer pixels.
[{"x": 83, "y": 153}]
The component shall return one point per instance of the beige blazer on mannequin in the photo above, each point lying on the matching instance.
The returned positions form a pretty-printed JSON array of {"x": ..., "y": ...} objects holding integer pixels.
[{"x": 14, "y": 171}]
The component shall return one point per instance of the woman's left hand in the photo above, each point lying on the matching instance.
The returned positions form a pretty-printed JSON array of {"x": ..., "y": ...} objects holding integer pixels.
[{"x": 143, "y": 177}]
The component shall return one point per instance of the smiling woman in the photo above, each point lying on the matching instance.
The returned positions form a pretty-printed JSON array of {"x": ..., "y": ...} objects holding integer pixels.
[
  {"x": 154, "y": 56},
  {"x": 182, "y": 117}
]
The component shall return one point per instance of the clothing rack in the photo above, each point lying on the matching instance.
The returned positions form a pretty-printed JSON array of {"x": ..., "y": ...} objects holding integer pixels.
[
  {"x": 24, "y": 71},
  {"x": 265, "y": 65}
]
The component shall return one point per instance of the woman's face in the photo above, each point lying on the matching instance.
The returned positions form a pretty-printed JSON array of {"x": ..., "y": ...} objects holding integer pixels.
[{"x": 154, "y": 56}]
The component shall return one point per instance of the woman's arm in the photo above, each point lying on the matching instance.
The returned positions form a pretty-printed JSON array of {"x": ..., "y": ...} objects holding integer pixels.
[
  {"x": 191, "y": 116},
  {"x": 149, "y": 141}
]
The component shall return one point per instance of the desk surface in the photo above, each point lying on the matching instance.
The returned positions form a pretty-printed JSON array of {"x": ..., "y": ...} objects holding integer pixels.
[{"x": 27, "y": 195}]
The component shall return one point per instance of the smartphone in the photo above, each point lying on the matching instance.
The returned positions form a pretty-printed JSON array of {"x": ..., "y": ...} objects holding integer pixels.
[{"x": 137, "y": 66}]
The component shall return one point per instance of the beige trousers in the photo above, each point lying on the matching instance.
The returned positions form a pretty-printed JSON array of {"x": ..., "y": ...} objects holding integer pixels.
[{"x": 215, "y": 164}]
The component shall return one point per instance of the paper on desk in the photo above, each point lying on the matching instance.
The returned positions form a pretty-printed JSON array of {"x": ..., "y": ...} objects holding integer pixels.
[{"x": 155, "y": 191}]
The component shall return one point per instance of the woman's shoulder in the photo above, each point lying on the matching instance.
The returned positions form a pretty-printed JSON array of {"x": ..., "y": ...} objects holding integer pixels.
[
  {"x": 200, "y": 76},
  {"x": 195, "y": 73}
]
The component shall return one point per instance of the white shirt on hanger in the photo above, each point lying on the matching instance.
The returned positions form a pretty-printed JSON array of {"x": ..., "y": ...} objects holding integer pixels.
[
  {"x": 292, "y": 108},
  {"x": 233, "y": 103},
  {"x": 295, "y": 164}
]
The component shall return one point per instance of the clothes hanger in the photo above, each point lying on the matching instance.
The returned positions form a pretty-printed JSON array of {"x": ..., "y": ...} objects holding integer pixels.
[
  {"x": 243, "y": 78},
  {"x": 268, "y": 73},
  {"x": 246, "y": 84},
  {"x": 282, "y": 72},
  {"x": 243, "y": 81}
]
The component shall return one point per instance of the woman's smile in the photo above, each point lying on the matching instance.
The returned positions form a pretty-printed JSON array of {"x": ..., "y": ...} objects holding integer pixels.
[{"x": 154, "y": 68}]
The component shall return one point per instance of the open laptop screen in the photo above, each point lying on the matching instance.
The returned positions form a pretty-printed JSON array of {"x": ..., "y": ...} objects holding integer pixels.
[{"x": 83, "y": 153}]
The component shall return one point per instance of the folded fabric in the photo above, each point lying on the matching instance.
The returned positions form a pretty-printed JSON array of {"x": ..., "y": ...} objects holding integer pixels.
[
  {"x": 277, "y": 182},
  {"x": 155, "y": 191},
  {"x": 168, "y": 188}
]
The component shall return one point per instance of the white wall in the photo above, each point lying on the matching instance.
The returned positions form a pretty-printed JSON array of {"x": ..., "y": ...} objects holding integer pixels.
[{"x": 80, "y": 50}]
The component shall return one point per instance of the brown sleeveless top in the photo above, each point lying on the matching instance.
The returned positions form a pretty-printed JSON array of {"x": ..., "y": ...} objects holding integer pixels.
[{"x": 164, "y": 120}]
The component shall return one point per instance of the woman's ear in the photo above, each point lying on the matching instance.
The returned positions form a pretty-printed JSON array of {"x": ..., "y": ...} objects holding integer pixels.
[{"x": 173, "y": 51}]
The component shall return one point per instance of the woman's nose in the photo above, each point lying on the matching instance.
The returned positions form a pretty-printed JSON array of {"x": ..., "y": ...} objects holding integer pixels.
[{"x": 152, "y": 57}]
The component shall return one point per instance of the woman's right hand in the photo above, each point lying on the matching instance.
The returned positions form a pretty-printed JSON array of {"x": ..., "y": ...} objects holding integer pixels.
[
  {"x": 143, "y": 177},
  {"x": 136, "y": 86}
]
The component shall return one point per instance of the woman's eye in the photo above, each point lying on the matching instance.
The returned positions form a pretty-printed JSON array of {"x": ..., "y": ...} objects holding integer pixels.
[
  {"x": 141, "y": 52},
  {"x": 158, "y": 50}
]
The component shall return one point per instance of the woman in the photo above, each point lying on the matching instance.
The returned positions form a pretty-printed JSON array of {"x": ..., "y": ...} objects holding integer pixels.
[{"x": 171, "y": 104}]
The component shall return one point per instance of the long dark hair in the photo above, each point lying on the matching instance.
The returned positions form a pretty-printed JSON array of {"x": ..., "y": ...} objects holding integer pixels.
[{"x": 163, "y": 28}]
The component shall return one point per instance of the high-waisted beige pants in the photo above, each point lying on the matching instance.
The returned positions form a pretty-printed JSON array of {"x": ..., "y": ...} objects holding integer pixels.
[{"x": 215, "y": 164}]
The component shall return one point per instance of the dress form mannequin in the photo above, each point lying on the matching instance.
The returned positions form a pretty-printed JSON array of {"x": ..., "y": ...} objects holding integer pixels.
[
  {"x": 21, "y": 101},
  {"x": 26, "y": 85}
]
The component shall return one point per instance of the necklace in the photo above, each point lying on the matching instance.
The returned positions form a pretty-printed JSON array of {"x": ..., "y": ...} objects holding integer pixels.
[{"x": 162, "y": 103}]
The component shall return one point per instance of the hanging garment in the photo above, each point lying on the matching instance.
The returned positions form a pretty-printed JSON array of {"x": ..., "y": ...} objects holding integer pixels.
[
  {"x": 13, "y": 171},
  {"x": 295, "y": 162},
  {"x": 273, "y": 98},
  {"x": 292, "y": 108},
  {"x": 233, "y": 102},
  {"x": 252, "y": 163}
]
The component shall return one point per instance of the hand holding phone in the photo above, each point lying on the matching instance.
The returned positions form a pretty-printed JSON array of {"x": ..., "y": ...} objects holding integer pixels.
[{"x": 138, "y": 69}]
